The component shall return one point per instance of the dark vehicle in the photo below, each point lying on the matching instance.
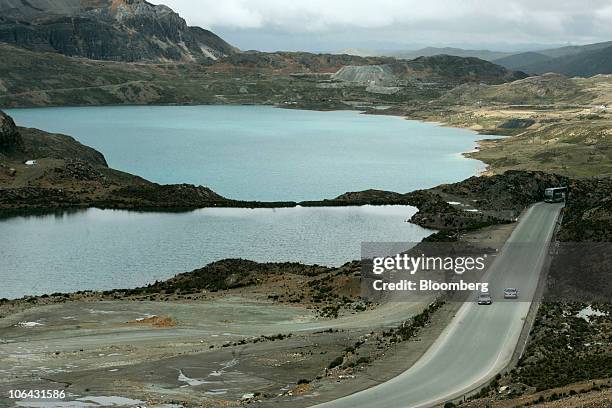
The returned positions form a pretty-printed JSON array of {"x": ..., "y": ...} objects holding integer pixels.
[
  {"x": 511, "y": 293},
  {"x": 484, "y": 298}
]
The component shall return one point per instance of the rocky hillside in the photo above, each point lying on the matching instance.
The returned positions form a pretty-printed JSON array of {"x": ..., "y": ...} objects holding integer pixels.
[
  {"x": 29, "y": 78},
  {"x": 582, "y": 60},
  {"x": 588, "y": 215},
  {"x": 119, "y": 30},
  {"x": 439, "y": 68},
  {"x": 545, "y": 89},
  {"x": 584, "y": 64},
  {"x": 522, "y": 60},
  {"x": 37, "y": 143},
  {"x": 469, "y": 204},
  {"x": 10, "y": 140},
  {"x": 459, "y": 68},
  {"x": 296, "y": 62},
  {"x": 22, "y": 144}
]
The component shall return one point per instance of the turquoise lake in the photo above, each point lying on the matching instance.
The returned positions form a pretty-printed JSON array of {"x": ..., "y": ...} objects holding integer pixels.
[
  {"x": 265, "y": 153},
  {"x": 242, "y": 152}
]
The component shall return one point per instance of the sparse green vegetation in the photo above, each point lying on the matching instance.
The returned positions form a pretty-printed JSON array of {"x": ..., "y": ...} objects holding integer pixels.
[{"x": 565, "y": 348}]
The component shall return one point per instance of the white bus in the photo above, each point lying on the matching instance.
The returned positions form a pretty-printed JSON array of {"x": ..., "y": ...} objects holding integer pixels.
[{"x": 555, "y": 195}]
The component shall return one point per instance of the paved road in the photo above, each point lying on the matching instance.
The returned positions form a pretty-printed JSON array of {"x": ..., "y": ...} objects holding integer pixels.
[{"x": 480, "y": 340}]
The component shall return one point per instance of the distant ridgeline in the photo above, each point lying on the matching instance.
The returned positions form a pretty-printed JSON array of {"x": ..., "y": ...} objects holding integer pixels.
[{"x": 574, "y": 60}]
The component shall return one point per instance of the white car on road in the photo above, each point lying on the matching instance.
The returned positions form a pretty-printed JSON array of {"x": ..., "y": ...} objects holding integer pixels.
[{"x": 511, "y": 293}]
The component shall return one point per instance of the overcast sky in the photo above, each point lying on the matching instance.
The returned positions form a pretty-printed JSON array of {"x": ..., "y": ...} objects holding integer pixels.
[{"x": 334, "y": 25}]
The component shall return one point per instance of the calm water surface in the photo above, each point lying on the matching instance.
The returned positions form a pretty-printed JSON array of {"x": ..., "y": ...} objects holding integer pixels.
[
  {"x": 242, "y": 152},
  {"x": 105, "y": 249},
  {"x": 264, "y": 153}
]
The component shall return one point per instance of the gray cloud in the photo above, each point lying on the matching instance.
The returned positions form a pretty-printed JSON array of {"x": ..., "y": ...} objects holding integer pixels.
[{"x": 334, "y": 24}]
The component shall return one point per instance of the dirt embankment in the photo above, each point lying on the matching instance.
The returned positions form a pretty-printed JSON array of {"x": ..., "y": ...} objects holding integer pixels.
[{"x": 328, "y": 291}]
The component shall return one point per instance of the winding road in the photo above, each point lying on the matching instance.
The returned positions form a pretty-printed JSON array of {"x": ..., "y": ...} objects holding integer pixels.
[{"x": 480, "y": 340}]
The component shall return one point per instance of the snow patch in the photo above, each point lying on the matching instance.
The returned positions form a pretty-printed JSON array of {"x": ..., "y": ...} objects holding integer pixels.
[
  {"x": 589, "y": 312},
  {"x": 29, "y": 325},
  {"x": 216, "y": 392},
  {"x": 190, "y": 381},
  {"x": 206, "y": 51}
]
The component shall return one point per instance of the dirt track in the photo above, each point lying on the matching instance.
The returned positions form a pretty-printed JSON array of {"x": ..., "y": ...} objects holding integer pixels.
[{"x": 86, "y": 345}]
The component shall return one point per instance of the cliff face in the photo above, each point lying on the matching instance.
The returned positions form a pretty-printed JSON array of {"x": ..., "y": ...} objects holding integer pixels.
[
  {"x": 120, "y": 30},
  {"x": 10, "y": 140}
]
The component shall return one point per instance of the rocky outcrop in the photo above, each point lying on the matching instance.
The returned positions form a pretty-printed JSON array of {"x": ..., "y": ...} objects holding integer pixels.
[
  {"x": 37, "y": 198},
  {"x": 470, "y": 204},
  {"x": 381, "y": 75},
  {"x": 230, "y": 274},
  {"x": 39, "y": 144},
  {"x": 459, "y": 69},
  {"x": 152, "y": 195},
  {"x": 513, "y": 190},
  {"x": 10, "y": 139},
  {"x": 121, "y": 30},
  {"x": 436, "y": 213},
  {"x": 582, "y": 264}
]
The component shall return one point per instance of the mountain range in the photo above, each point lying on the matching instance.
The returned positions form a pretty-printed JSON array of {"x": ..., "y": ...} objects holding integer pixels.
[
  {"x": 456, "y": 52},
  {"x": 575, "y": 60},
  {"x": 584, "y": 61}
]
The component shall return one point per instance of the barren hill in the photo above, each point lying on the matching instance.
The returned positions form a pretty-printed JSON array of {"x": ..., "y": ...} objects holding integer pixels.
[{"x": 445, "y": 68}]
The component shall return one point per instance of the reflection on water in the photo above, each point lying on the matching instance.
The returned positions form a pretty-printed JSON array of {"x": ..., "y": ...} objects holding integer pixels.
[{"x": 106, "y": 249}]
